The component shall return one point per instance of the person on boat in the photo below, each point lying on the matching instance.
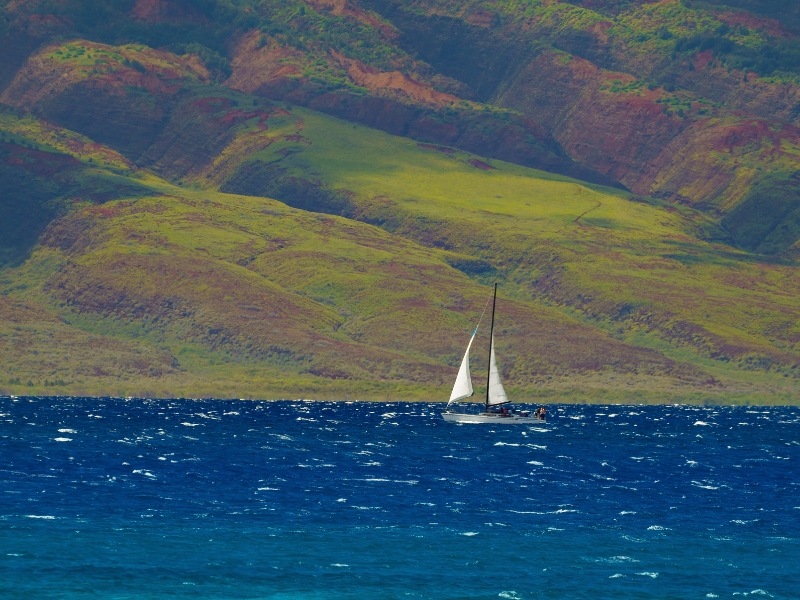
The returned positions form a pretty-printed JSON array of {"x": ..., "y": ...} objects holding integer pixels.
[{"x": 541, "y": 413}]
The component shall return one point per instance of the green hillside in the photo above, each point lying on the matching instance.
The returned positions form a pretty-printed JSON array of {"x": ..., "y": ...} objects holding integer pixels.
[{"x": 299, "y": 199}]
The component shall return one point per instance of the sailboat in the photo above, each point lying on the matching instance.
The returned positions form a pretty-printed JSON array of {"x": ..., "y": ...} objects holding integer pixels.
[{"x": 495, "y": 393}]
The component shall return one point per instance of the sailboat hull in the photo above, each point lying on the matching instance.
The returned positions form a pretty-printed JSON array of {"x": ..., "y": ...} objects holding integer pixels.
[{"x": 493, "y": 418}]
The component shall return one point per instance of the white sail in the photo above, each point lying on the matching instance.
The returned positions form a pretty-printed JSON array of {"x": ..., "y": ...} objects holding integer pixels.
[
  {"x": 497, "y": 395},
  {"x": 463, "y": 387}
]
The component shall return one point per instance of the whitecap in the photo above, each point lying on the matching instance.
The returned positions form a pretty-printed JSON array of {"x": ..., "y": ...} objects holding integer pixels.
[
  {"x": 648, "y": 574},
  {"x": 526, "y": 512},
  {"x": 187, "y": 424},
  {"x": 470, "y": 533},
  {"x": 628, "y": 512},
  {"x": 705, "y": 487},
  {"x": 268, "y": 489},
  {"x": 67, "y": 431},
  {"x": 205, "y": 416},
  {"x": 339, "y": 565},
  {"x": 701, "y": 423},
  {"x": 144, "y": 472},
  {"x": 505, "y": 444},
  {"x": 618, "y": 559},
  {"x": 615, "y": 575},
  {"x": 47, "y": 517},
  {"x": 535, "y": 462},
  {"x": 510, "y": 595},
  {"x": 62, "y": 439},
  {"x": 656, "y": 528}
]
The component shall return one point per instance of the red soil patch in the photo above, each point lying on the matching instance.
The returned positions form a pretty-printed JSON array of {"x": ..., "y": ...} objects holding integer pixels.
[
  {"x": 750, "y": 131},
  {"x": 240, "y": 115},
  {"x": 479, "y": 164},
  {"x": 702, "y": 59},
  {"x": 375, "y": 80},
  {"x": 483, "y": 18},
  {"x": 600, "y": 30},
  {"x": 771, "y": 26},
  {"x": 133, "y": 78},
  {"x": 256, "y": 65},
  {"x": 212, "y": 104},
  {"x": 165, "y": 11},
  {"x": 343, "y": 8},
  {"x": 328, "y": 373},
  {"x": 44, "y": 164},
  {"x": 288, "y": 71},
  {"x": 80, "y": 147},
  {"x": 443, "y": 149}
]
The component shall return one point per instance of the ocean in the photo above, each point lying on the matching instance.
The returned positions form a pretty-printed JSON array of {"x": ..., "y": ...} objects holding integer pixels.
[{"x": 139, "y": 499}]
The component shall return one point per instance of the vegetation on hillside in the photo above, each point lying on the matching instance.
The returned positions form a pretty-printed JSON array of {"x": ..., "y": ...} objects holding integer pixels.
[{"x": 174, "y": 223}]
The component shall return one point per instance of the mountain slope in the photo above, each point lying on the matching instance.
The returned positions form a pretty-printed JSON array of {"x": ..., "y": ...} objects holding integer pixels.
[
  {"x": 175, "y": 207},
  {"x": 622, "y": 85},
  {"x": 227, "y": 288}
]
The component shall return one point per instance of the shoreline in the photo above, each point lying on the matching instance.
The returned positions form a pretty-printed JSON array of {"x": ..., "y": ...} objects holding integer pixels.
[{"x": 738, "y": 402}]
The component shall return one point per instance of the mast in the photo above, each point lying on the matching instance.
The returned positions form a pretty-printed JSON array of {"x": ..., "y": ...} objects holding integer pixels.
[{"x": 491, "y": 343}]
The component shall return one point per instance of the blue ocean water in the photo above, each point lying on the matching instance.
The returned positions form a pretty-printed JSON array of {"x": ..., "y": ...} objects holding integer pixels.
[{"x": 319, "y": 500}]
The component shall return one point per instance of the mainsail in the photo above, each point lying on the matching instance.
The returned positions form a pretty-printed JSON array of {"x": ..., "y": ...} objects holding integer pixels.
[
  {"x": 496, "y": 395},
  {"x": 463, "y": 386}
]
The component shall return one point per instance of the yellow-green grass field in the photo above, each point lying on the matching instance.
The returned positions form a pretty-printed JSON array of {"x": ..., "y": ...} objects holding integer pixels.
[
  {"x": 188, "y": 291},
  {"x": 598, "y": 250}
]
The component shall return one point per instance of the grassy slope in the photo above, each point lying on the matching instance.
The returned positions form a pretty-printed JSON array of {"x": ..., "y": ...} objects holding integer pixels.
[
  {"x": 721, "y": 62},
  {"x": 190, "y": 292},
  {"x": 174, "y": 288},
  {"x": 716, "y": 93},
  {"x": 608, "y": 253},
  {"x": 174, "y": 274}
]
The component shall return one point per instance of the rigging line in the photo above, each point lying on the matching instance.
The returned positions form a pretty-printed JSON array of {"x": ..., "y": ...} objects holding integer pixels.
[{"x": 485, "y": 306}]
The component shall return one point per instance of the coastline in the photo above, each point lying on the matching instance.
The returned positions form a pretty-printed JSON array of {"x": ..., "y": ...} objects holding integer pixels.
[{"x": 560, "y": 399}]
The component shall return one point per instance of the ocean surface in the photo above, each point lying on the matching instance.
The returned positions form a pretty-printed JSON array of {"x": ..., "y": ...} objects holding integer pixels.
[{"x": 318, "y": 500}]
